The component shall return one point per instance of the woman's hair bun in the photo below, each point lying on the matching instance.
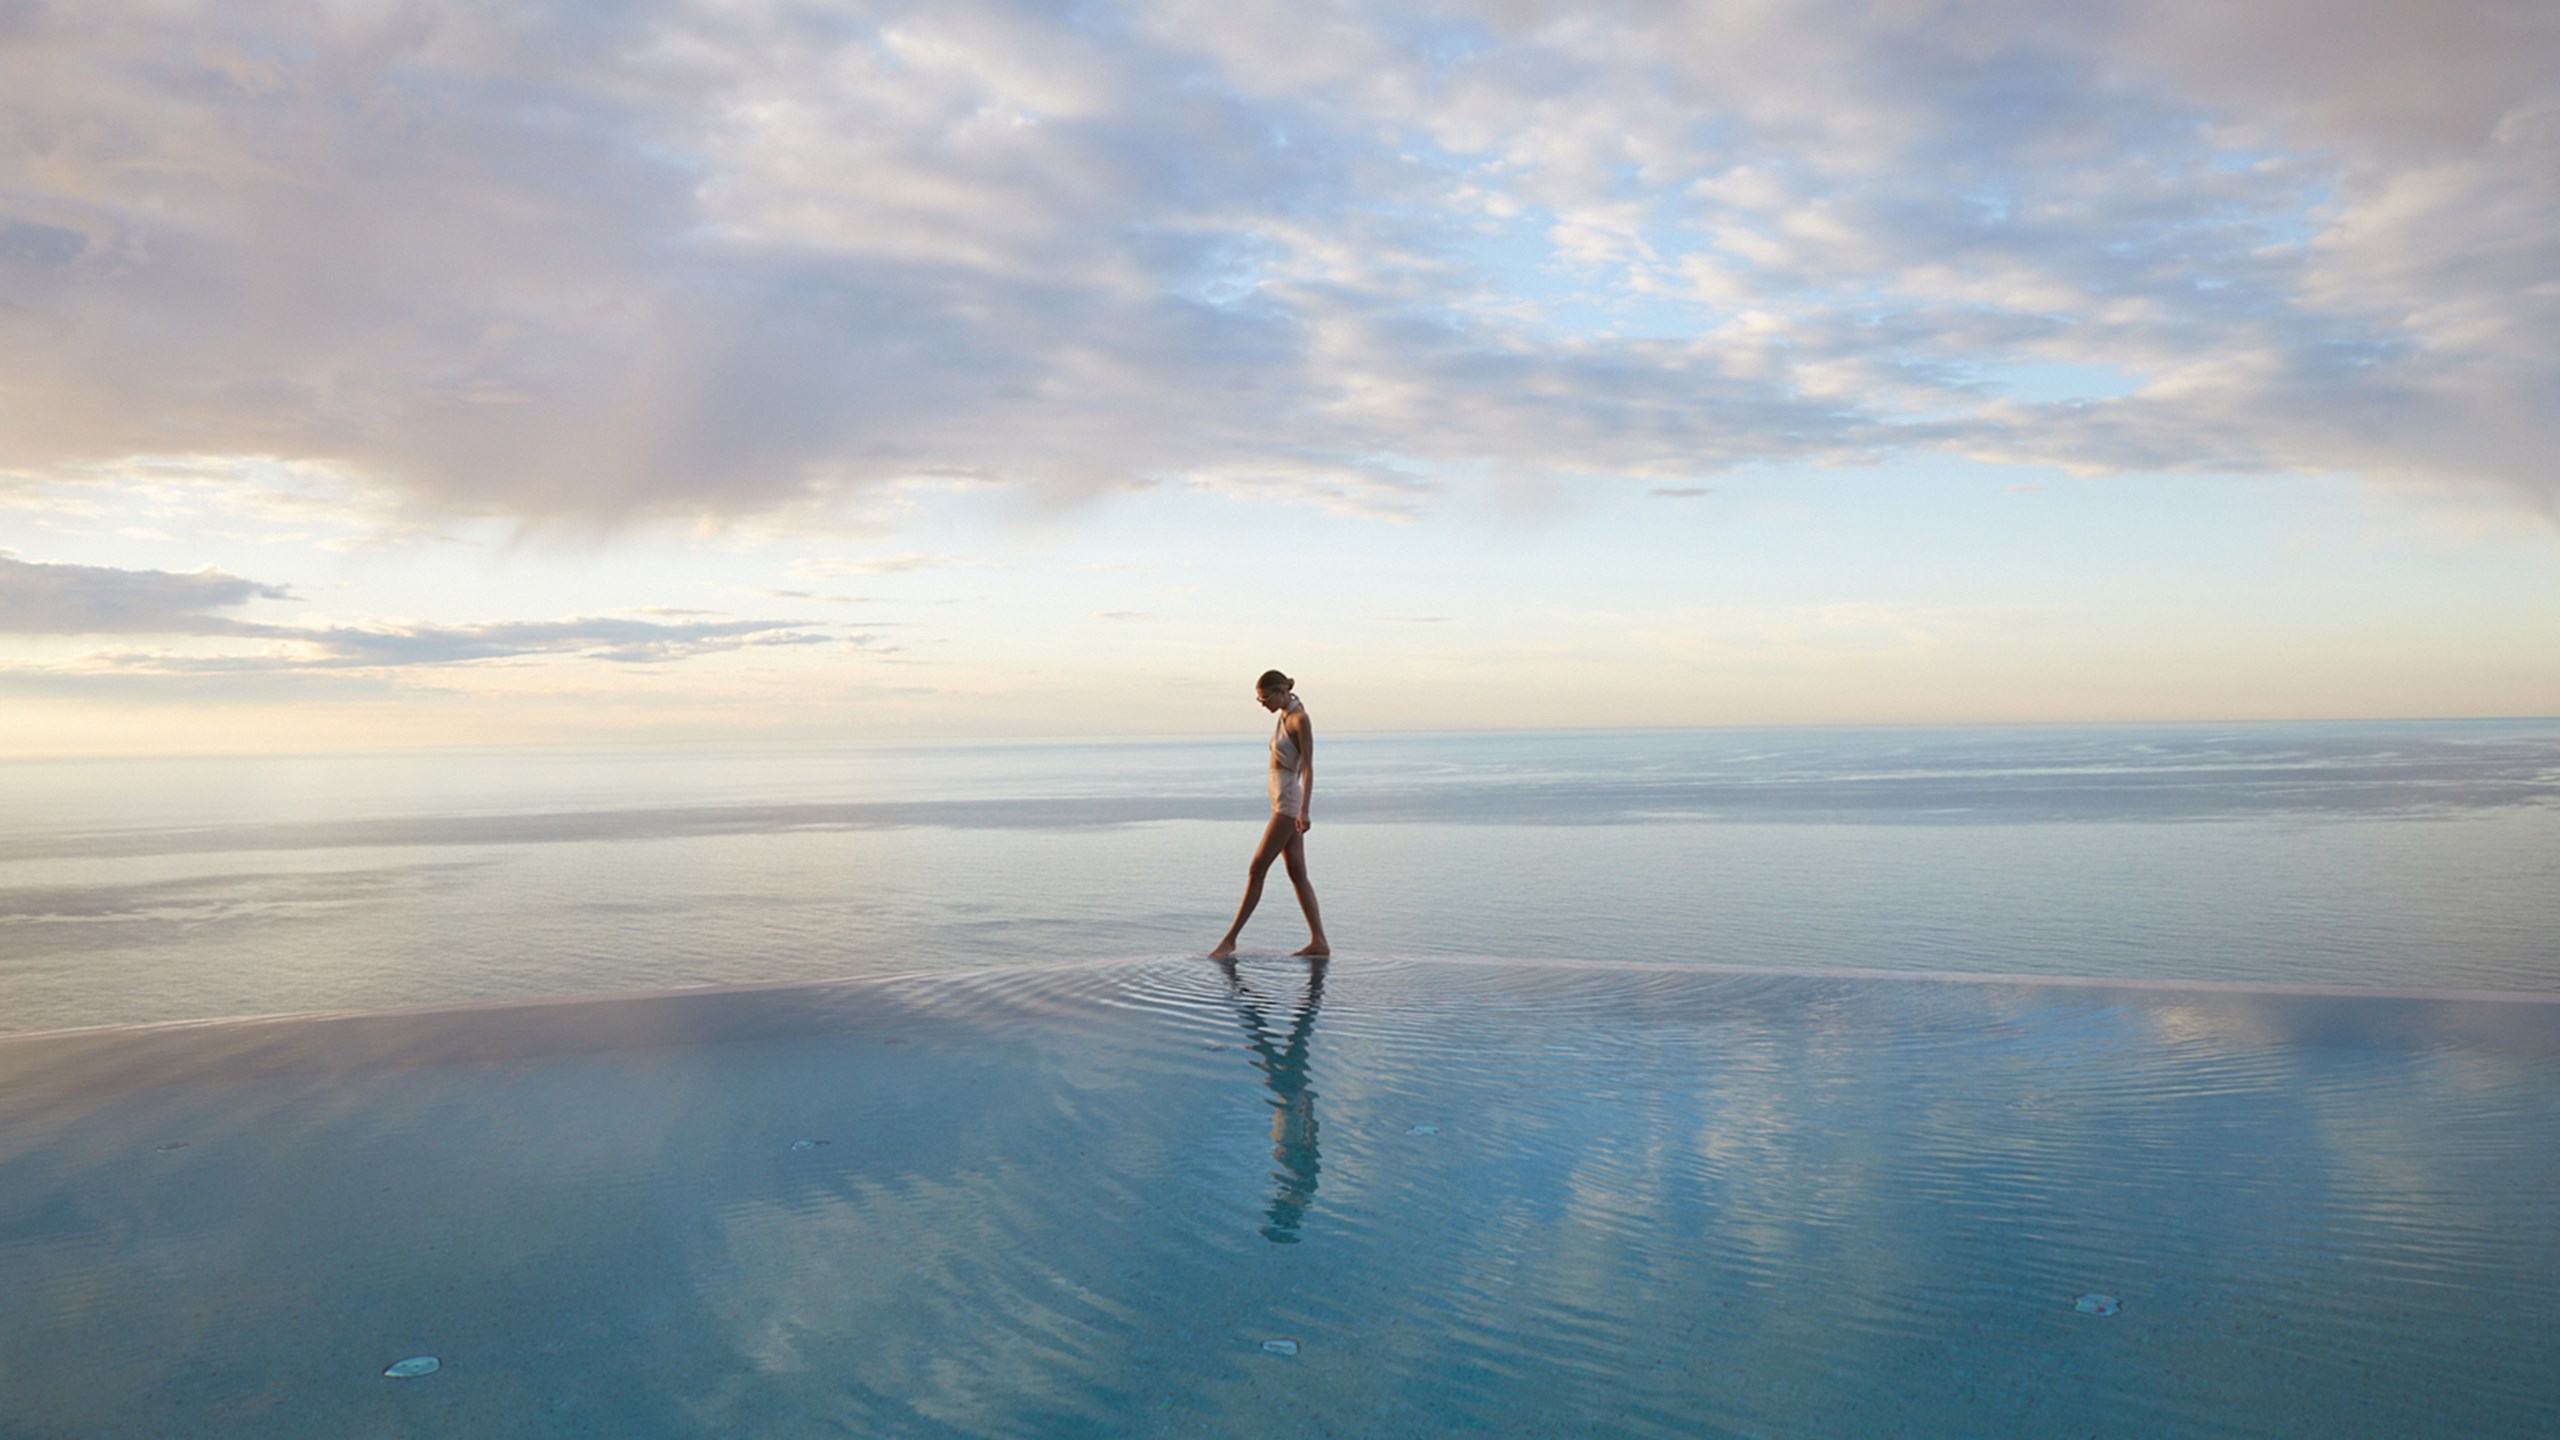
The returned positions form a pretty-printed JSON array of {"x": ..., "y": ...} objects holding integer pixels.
[{"x": 1274, "y": 680}]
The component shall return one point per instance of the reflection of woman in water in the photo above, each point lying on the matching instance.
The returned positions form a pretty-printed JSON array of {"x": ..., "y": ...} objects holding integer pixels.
[
  {"x": 1293, "y": 783},
  {"x": 1293, "y": 1100}
]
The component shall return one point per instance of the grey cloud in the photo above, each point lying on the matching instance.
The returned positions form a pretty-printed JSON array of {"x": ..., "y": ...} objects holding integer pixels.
[
  {"x": 601, "y": 639},
  {"x": 179, "y": 688},
  {"x": 2393, "y": 82},
  {"x": 519, "y": 269},
  {"x": 2291, "y": 279},
  {"x": 684, "y": 259},
  {"x": 817, "y": 596},
  {"x": 43, "y": 599},
  {"x": 387, "y": 646}
]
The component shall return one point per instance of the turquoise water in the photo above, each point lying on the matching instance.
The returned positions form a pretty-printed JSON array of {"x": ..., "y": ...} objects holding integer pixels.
[
  {"x": 2417, "y": 855},
  {"x": 1521, "y": 1199}
]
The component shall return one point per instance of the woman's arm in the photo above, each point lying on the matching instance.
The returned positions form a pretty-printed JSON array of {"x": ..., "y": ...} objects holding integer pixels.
[{"x": 1306, "y": 770}]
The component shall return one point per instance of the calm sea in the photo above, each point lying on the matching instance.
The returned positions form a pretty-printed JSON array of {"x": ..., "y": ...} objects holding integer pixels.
[
  {"x": 2410, "y": 855},
  {"x": 1531, "y": 1158}
]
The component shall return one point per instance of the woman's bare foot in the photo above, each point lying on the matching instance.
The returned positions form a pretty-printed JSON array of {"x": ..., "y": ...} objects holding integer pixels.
[
  {"x": 1315, "y": 949},
  {"x": 1226, "y": 951}
]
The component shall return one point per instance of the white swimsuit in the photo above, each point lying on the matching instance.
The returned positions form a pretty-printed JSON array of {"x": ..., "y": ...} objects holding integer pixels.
[{"x": 1288, "y": 791}]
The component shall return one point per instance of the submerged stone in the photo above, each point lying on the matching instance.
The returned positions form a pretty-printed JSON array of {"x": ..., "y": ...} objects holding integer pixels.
[
  {"x": 1422, "y": 1130},
  {"x": 2096, "y": 1304},
  {"x": 1280, "y": 1345},
  {"x": 414, "y": 1366}
]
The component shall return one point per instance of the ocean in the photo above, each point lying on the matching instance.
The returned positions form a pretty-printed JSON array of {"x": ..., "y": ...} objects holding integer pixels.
[
  {"x": 2097, "y": 1082},
  {"x": 2407, "y": 855}
]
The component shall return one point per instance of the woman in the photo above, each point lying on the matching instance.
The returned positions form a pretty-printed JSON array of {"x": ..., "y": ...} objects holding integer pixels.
[{"x": 1293, "y": 783}]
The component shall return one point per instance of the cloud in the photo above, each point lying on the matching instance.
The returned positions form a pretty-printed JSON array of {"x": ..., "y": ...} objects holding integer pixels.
[
  {"x": 375, "y": 647},
  {"x": 43, "y": 599},
  {"x": 626, "y": 641},
  {"x": 772, "y": 594},
  {"x": 833, "y": 567},
  {"x": 696, "y": 259}
]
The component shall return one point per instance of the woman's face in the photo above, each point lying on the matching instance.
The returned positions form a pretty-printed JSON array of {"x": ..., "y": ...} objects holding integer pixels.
[{"x": 1272, "y": 699}]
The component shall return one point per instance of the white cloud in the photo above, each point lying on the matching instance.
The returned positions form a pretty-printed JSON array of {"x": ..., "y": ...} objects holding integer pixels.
[{"x": 714, "y": 260}]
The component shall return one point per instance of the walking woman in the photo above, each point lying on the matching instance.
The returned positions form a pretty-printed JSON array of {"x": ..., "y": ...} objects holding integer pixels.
[{"x": 1293, "y": 783}]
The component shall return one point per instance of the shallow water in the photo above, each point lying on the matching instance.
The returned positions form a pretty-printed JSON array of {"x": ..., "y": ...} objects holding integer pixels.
[
  {"x": 1513, "y": 1199},
  {"x": 2412, "y": 855}
]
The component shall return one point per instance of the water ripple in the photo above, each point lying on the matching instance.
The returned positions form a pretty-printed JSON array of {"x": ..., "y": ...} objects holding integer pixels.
[{"x": 1522, "y": 1199}]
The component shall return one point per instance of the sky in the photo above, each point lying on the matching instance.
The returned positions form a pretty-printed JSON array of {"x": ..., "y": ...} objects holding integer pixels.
[{"x": 389, "y": 375}]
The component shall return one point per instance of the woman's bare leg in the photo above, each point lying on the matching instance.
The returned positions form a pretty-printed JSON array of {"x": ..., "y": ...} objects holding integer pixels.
[
  {"x": 1276, "y": 838},
  {"x": 1296, "y": 854}
]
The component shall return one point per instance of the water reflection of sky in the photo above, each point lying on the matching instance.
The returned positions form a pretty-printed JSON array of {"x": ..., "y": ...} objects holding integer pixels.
[{"x": 1652, "y": 1200}]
